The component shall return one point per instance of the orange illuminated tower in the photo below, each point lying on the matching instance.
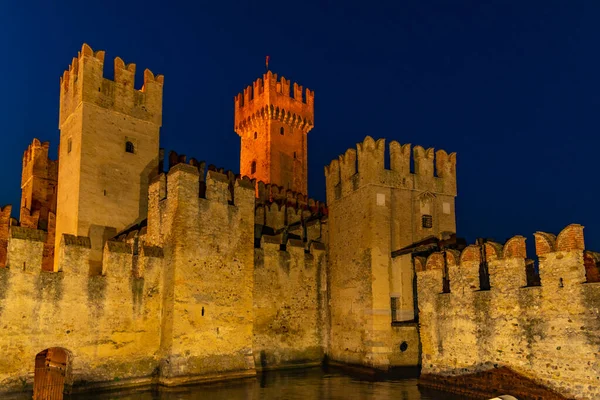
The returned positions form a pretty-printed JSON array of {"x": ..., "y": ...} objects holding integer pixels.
[{"x": 273, "y": 127}]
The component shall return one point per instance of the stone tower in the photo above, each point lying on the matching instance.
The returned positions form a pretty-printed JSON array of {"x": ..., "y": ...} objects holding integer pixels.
[
  {"x": 109, "y": 145},
  {"x": 273, "y": 127},
  {"x": 39, "y": 181},
  {"x": 38, "y": 186},
  {"x": 373, "y": 212}
]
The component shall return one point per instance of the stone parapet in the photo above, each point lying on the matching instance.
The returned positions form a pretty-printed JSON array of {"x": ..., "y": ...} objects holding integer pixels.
[{"x": 547, "y": 335}]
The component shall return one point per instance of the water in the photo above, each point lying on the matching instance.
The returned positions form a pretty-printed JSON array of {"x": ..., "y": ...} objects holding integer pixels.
[{"x": 313, "y": 383}]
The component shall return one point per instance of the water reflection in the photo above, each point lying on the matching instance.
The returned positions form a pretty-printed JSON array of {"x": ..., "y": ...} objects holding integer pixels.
[{"x": 290, "y": 385}]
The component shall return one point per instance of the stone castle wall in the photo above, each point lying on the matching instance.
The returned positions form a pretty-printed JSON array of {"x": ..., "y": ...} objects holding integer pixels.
[
  {"x": 186, "y": 298},
  {"x": 109, "y": 322},
  {"x": 289, "y": 299},
  {"x": 546, "y": 334}
]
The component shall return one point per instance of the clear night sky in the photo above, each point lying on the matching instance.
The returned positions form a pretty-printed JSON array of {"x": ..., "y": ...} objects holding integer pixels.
[{"x": 512, "y": 87}]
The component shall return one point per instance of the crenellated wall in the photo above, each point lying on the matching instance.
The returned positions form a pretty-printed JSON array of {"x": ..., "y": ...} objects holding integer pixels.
[
  {"x": 110, "y": 323},
  {"x": 207, "y": 305},
  {"x": 426, "y": 191},
  {"x": 290, "y": 303},
  {"x": 5, "y": 222},
  {"x": 373, "y": 211},
  {"x": 547, "y": 335}
]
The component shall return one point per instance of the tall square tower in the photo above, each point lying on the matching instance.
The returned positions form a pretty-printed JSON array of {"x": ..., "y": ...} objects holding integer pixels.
[{"x": 109, "y": 145}]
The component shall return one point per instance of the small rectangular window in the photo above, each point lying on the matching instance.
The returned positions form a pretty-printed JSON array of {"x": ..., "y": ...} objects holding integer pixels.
[
  {"x": 69, "y": 145},
  {"x": 394, "y": 302},
  {"x": 427, "y": 221}
]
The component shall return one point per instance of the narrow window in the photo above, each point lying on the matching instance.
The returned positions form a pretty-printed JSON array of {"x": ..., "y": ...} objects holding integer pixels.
[
  {"x": 129, "y": 148},
  {"x": 294, "y": 155},
  {"x": 281, "y": 130},
  {"x": 253, "y": 167},
  {"x": 69, "y": 145},
  {"x": 427, "y": 221},
  {"x": 394, "y": 306},
  {"x": 255, "y": 135}
]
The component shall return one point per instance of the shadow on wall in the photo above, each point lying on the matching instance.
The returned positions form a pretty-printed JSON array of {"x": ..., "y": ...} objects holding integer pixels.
[{"x": 491, "y": 380}]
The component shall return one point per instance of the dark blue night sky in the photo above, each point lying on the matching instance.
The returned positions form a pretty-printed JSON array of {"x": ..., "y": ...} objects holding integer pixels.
[{"x": 512, "y": 87}]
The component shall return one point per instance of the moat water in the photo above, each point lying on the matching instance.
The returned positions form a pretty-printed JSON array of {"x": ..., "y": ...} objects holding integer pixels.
[{"x": 314, "y": 383}]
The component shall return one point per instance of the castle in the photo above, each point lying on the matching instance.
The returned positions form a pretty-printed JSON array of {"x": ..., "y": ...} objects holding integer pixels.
[{"x": 130, "y": 267}]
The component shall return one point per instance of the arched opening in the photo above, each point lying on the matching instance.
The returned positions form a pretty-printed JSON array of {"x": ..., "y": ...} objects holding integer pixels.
[
  {"x": 52, "y": 376},
  {"x": 129, "y": 147},
  {"x": 253, "y": 167}
]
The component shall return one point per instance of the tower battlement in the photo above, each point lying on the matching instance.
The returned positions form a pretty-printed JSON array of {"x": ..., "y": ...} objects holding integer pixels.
[
  {"x": 273, "y": 127},
  {"x": 84, "y": 81},
  {"x": 36, "y": 161},
  {"x": 269, "y": 98},
  {"x": 39, "y": 182},
  {"x": 366, "y": 165}
]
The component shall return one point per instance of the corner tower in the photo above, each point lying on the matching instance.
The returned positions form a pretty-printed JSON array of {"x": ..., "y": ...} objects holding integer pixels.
[
  {"x": 109, "y": 145},
  {"x": 273, "y": 127},
  {"x": 38, "y": 186}
]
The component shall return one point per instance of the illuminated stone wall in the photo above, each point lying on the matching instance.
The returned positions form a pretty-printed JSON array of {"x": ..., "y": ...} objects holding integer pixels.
[{"x": 547, "y": 335}]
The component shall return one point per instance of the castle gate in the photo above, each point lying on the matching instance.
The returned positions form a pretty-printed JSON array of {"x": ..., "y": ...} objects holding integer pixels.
[{"x": 52, "y": 367}]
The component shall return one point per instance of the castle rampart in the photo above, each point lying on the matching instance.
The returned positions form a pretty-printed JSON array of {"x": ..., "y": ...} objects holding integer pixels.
[
  {"x": 290, "y": 297},
  {"x": 269, "y": 98},
  {"x": 210, "y": 244},
  {"x": 84, "y": 81},
  {"x": 109, "y": 322},
  {"x": 546, "y": 334}
]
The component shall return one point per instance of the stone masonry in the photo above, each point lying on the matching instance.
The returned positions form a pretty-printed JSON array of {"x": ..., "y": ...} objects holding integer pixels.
[
  {"x": 545, "y": 334},
  {"x": 130, "y": 268}
]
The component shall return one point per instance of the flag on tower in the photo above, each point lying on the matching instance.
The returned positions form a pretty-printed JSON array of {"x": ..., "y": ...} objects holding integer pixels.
[{"x": 267, "y": 63}]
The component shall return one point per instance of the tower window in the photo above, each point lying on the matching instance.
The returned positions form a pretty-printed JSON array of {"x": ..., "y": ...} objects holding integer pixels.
[
  {"x": 281, "y": 130},
  {"x": 129, "y": 148},
  {"x": 427, "y": 221},
  {"x": 255, "y": 135},
  {"x": 69, "y": 145},
  {"x": 294, "y": 155},
  {"x": 253, "y": 167},
  {"x": 394, "y": 305}
]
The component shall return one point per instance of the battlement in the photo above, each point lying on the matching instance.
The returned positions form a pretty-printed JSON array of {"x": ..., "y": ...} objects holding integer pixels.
[
  {"x": 366, "y": 165},
  {"x": 478, "y": 307},
  {"x": 562, "y": 262},
  {"x": 189, "y": 178},
  {"x": 280, "y": 243},
  {"x": 84, "y": 82},
  {"x": 38, "y": 182},
  {"x": 266, "y": 193},
  {"x": 269, "y": 98}
]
